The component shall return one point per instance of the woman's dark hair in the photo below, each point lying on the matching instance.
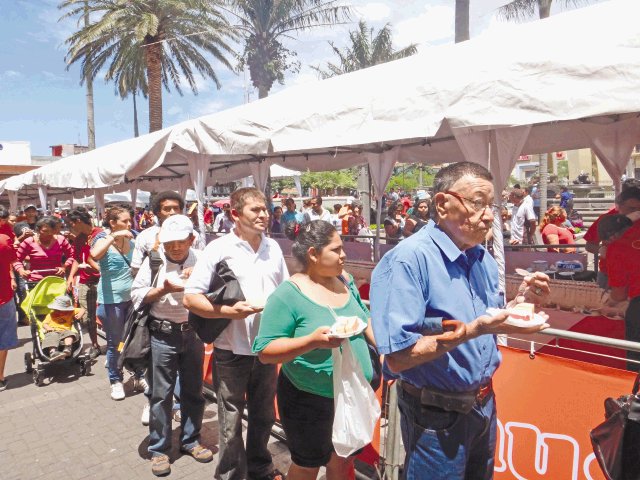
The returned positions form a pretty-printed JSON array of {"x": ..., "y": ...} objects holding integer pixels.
[
  {"x": 316, "y": 234},
  {"x": 112, "y": 215},
  {"x": 166, "y": 195},
  {"x": 79, "y": 215},
  {"x": 392, "y": 208},
  {"x": 50, "y": 222}
]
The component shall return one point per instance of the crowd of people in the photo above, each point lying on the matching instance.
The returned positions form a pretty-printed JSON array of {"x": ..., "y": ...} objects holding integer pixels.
[{"x": 441, "y": 348}]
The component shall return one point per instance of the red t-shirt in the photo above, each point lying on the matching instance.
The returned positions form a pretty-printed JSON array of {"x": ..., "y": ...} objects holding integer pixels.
[
  {"x": 623, "y": 258},
  {"x": 5, "y": 229},
  {"x": 592, "y": 237},
  {"x": 565, "y": 237},
  {"x": 208, "y": 216},
  {"x": 7, "y": 257},
  {"x": 82, "y": 251}
]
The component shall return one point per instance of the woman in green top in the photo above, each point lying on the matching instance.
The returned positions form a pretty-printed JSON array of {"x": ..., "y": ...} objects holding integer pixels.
[{"x": 294, "y": 331}]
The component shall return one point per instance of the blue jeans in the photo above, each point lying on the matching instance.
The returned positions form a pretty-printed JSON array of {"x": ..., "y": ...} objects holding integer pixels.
[
  {"x": 239, "y": 381},
  {"x": 175, "y": 356},
  {"x": 113, "y": 316},
  {"x": 444, "y": 445}
]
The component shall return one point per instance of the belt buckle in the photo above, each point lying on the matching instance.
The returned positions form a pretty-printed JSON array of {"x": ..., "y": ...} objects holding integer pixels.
[
  {"x": 165, "y": 327},
  {"x": 185, "y": 327}
]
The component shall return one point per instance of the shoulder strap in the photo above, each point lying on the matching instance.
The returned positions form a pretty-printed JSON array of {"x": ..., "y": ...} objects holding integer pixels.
[{"x": 155, "y": 262}]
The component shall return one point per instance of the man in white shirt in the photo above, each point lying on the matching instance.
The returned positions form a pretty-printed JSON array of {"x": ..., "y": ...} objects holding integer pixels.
[
  {"x": 317, "y": 211},
  {"x": 240, "y": 379},
  {"x": 175, "y": 347},
  {"x": 164, "y": 205},
  {"x": 224, "y": 222},
  {"x": 523, "y": 218}
]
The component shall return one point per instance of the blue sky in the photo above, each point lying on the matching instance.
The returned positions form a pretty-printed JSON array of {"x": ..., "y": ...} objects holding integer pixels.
[{"x": 42, "y": 102}]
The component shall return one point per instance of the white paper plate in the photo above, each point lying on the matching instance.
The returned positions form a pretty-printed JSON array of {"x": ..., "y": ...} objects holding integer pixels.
[
  {"x": 175, "y": 279},
  {"x": 535, "y": 322},
  {"x": 361, "y": 328}
]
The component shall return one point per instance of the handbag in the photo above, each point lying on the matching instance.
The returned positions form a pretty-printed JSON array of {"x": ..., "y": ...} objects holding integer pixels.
[
  {"x": 616, "y": 441},
  {"x": 374, "y": 355},
  {"x": 135, "y": 347},
  {"x": 224, "y": 289}
]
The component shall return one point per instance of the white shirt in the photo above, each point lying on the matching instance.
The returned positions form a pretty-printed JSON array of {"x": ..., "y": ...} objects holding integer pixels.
[
  {"x": 259, "y": 274},
  {"x": 310, "y": 215},
  {"x": 223, "y": 223},
  {"x": 520, "y": 215},
  {"x": 146, "y": 239},
  {"x": 168, "y": 307}
]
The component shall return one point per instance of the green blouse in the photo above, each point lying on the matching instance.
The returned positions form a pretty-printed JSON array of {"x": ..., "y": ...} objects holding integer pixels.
[{"x": 289, "y": 313}]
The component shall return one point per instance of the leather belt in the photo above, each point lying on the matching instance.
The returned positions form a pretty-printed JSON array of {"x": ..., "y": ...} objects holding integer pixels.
[
  {"x": 461, "y": 402},
  {"x": 165, "y": 326}
]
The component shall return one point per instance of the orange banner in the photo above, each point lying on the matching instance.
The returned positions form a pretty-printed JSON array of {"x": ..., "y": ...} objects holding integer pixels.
[{"x": 546, "y": 408}]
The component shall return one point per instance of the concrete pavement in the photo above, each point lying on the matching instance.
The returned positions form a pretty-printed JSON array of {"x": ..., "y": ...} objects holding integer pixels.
[{"x": 70, "y": 428}]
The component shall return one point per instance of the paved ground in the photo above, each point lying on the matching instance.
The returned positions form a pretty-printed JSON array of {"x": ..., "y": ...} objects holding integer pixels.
[{"x": 71, "y": 429}]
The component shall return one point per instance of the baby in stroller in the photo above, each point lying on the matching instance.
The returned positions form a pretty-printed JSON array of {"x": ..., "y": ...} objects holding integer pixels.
[{"x": 58, "y": 328}]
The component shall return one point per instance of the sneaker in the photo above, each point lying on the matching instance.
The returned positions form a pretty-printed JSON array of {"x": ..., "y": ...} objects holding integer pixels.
[
  {"x": 57, "y": 356},
  {"x": 3, "y": 385},
  {"x": 145, "y": 415},
  {"x": 140, "y": 385},
  {"x": 200, "y": 453},
  {"x": 117, "y": 391},
  {"x": 160, "y": 465},
  {"x": 94, "y": 352},
  {"x": 177, "y": 415},
  {"x": 275, "y": 475}
]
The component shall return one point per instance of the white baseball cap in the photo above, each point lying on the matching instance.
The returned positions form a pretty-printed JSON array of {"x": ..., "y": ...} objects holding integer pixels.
[{"x": 176, "y": 227}]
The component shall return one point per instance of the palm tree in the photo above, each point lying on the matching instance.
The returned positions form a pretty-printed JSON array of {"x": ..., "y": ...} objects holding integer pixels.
[
  {"x": 264, "y": 23},
  {"x": 523, "y": 9},
  {"x": 365, "y": 51},
  {"x": 168, "y": 37},
  {"x": 462, "y": 21}
]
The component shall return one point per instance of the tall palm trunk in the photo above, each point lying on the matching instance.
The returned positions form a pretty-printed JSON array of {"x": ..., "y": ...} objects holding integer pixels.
[
  {"x": 263, "y": 91},
  {"x": 136, "y": 132},
  {"x": 462, "y": 20},
  {"x": 153, "y": 53},
  {"x": 544, "y": 8},
  {"x": 91, "y": 127}
]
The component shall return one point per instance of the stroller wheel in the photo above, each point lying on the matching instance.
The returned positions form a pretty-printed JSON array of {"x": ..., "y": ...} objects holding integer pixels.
[
  {"x": 28, "y": 362},
  {"x": 85, "y": 367},
  {"x": 38, "y": 378}
]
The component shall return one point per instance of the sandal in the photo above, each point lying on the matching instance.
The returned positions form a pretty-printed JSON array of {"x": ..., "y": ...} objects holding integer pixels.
[
  {"x": 160, "y": 465},
  {"x": 199, "y": 453}
]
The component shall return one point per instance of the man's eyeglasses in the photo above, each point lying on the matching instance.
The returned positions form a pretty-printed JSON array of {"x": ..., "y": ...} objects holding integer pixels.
[{"x": 476, "y": 205}]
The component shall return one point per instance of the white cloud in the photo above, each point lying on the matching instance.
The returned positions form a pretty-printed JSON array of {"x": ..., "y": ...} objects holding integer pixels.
[
  {"x": 8, "y": 74},
  {"x": 373, "y": 12},
  {"x": 174, "y": 110},
  {"x": 434, "y": 25},
  {"x": 207, "y": 108}
]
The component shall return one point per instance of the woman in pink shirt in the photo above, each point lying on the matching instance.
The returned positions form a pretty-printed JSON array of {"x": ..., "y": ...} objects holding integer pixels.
[
  {"x": 554, "y": 232},
  {"x": 48, "y": 254}
]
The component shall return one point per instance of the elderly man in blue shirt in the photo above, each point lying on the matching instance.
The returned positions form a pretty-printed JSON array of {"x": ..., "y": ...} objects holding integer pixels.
[{"x": 429, "y": 298}]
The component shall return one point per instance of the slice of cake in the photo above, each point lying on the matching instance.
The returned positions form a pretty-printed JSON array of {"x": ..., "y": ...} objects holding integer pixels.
[
  {"x": 346, "y": 325},
  {"x": 522, "y": 311}
]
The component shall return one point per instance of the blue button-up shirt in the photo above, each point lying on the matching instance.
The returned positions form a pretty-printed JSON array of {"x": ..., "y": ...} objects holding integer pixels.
[{"x": 419, "y": 283}]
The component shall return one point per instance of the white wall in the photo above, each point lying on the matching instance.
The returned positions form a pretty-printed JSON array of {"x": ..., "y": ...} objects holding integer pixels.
[{"x": 15, "y": 153}]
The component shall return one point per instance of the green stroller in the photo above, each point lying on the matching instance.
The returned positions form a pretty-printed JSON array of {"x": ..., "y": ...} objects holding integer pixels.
[{"x": 35, "y": 307}]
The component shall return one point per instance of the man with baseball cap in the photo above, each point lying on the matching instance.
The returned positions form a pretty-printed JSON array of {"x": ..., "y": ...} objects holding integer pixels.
[{"x": 176, "y": 352}]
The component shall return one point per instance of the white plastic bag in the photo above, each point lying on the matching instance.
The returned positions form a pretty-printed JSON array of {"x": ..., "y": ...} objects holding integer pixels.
[{"x": 356, "y": 407}]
